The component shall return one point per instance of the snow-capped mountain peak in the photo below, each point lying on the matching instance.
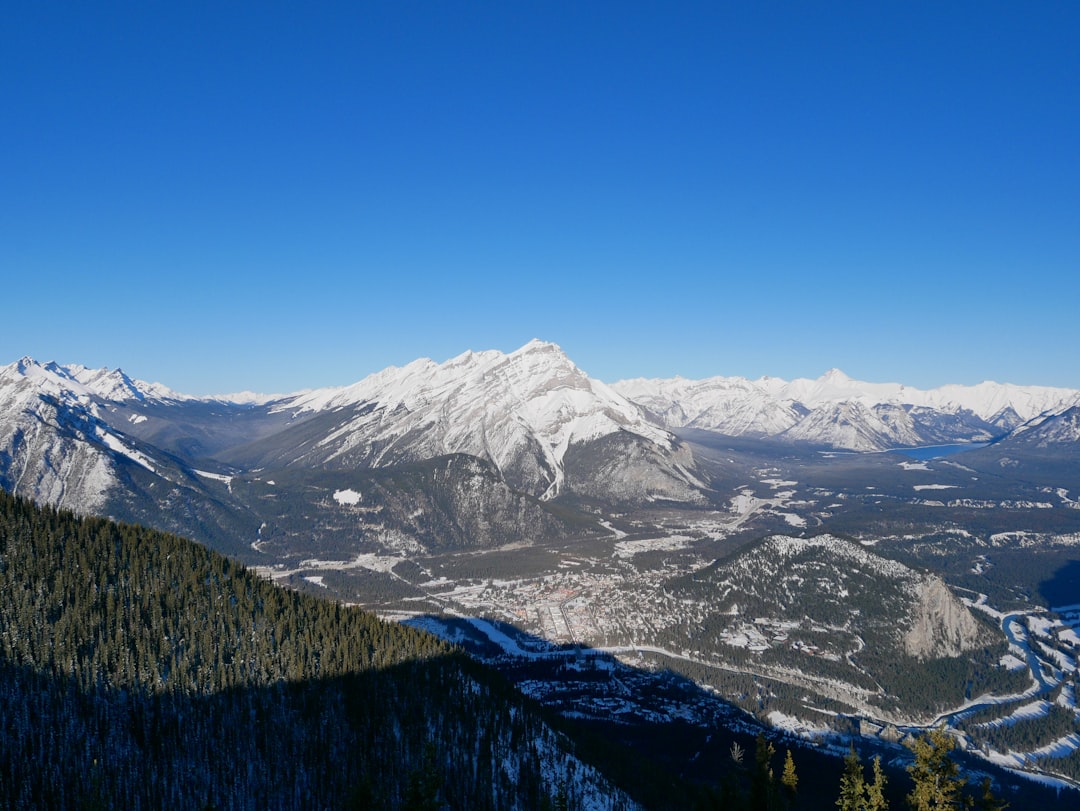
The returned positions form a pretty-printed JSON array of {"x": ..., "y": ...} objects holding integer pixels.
[
  {"x": 1048, "y": 430},
  {"x": 80, "y": 382},
  {"x": 522, "y": 411},
  {"x": 116, "y": 386},
  {"x": 49, "y": 378}
]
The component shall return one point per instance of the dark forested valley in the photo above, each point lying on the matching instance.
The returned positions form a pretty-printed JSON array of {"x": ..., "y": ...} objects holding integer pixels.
[{"x": 140, "y": 670}]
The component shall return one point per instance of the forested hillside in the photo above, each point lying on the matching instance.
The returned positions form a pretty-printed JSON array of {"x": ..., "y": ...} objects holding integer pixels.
[{"x": 140, "y": 670}]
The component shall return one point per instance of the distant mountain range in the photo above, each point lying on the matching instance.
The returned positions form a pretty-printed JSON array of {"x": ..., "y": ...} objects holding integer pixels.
[
  {"x": 484, "y": 448},
  {"x": 838, "y": 412},
  {"x": 538, "y": 428},
  {"x": 482, "y": 443}
]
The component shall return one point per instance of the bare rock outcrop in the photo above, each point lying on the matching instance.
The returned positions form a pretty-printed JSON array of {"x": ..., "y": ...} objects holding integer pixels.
[{"x": 941, "y": 624}]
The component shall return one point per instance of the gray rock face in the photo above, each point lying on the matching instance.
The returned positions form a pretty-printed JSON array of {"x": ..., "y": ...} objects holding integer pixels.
[
  {"x": 941, "y": 625},
  {"x": 627, "y": 468},
  {"x": 64, "y": 470}
]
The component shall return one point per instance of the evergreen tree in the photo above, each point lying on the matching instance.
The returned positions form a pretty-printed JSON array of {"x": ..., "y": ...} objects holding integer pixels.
[
  {"x": 987, "y": 801},
  {"x": 936, "y": 775},
  {"x": 730, "y": 796},
  {"x": 422, "y": 793},
  {"x": 852, "y": 784},
  {"x": 763, "y": 793},
  {"x": 789, "y": 779},
  {"x": 562, "y": 798},
  {"x": 875, "y": 791}
]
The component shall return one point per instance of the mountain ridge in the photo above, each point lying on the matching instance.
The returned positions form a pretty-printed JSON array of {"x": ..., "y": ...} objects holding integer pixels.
[
  {"x": 985, "y": 399},
  {"x": 523, "y": 411},
  {"x": 837, "y": 411},
  {"x": 988, "y": 399}
]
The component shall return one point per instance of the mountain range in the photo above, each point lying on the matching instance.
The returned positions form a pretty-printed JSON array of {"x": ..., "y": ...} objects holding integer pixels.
[
  {"x": 483, "y": 449},
  {"x": 753, "y": 534},
  {"x": 838, "y": 412},
  {"x": 68, "y": 434}
]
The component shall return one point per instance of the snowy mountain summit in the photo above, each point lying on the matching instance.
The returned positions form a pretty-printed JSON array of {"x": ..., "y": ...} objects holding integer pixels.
[
  {"x": 522, "y": 411},
  {"x": 80, "y": 383},
  {"x": 54, "y": 442}
]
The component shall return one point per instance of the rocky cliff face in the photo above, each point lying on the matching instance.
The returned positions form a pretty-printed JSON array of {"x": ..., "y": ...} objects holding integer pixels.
[
  {"x": 55, "y": 466},
  {"x": 453, "y": 502},
  {"x": 627, "y": 468},
  {"x": 941, "y": 625}
]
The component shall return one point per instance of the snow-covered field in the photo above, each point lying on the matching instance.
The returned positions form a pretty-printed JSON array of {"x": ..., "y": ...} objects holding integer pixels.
[{"x": 669, "y": 543}]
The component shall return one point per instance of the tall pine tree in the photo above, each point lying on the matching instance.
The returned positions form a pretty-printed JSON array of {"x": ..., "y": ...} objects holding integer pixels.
[
  {"x": 789, "y": 779},
  {"x": 936, "y": 775},
  {"x": 852, "y": 784}
]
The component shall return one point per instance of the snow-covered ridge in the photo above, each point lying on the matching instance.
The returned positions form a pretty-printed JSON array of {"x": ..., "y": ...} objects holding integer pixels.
[
  {"x": 52, "y": 446},
  {"x": 524, "y": 410},
  {"x": 768, "y": 405},
  {"x": 1050, "y": 429},
  {"x": 985, "y": 400},
  {"x": 82, "y": 383},
  {"x": 111, "y": 385},
  {"x": 839, "y": 411}
]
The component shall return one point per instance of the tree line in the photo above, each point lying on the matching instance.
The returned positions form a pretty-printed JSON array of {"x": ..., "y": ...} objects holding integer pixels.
[{"x": 936, "y": 782}]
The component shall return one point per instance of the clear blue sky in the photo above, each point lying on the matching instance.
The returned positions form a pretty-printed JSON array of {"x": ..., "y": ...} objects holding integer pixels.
[{"x": 272, "y": 196}]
